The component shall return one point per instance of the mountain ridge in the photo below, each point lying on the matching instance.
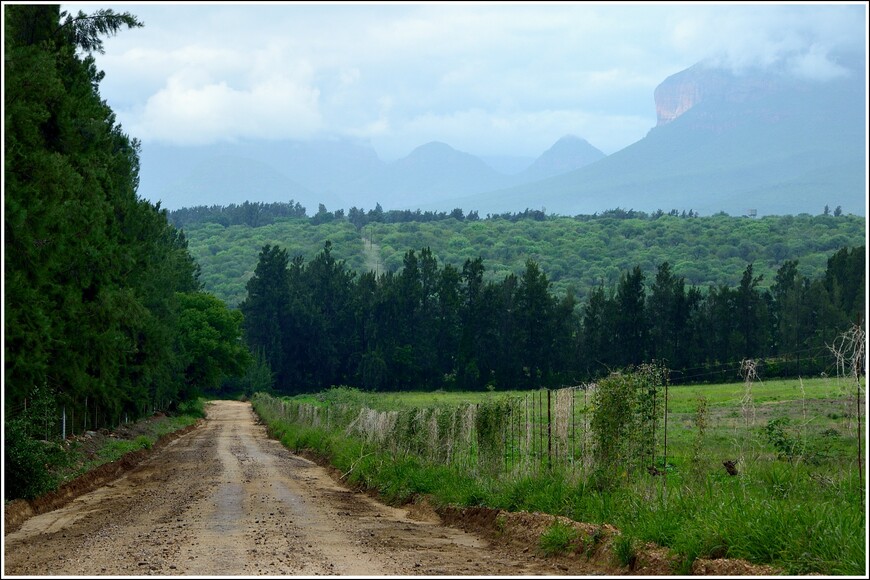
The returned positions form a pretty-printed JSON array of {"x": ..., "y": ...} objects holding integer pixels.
[{"x": 727, "y": 142}]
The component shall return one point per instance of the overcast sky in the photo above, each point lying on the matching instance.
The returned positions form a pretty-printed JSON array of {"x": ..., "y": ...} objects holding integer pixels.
[{"x": 486, "y": 78}]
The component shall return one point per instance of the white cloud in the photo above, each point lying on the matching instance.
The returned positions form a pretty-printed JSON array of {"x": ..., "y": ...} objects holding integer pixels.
[
  {"x": 190, "y": 112},
  {"x": 815, "y": 64},
  {"x": 478, "y": 76},
  {"x": 798, "y": 38}
]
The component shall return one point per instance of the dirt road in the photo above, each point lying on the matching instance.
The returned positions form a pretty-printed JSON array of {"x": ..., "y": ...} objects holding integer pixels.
[{"x": 227, "y": 500}]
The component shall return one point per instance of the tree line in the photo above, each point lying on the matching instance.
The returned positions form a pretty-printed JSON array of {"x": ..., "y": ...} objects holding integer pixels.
[
  {"x": 104, "y": 311},
  {"x": 430, "y": 326},
  {"x": 256, "y": 214}
]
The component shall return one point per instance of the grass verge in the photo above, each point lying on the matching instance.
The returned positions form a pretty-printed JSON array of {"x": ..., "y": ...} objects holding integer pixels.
[
  {"x": 775, "y": 514},
  {"x": 55, "y": 463}
]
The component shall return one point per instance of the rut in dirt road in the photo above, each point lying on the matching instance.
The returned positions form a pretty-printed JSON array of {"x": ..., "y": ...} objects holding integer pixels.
[{"x": 227, "y": 500}]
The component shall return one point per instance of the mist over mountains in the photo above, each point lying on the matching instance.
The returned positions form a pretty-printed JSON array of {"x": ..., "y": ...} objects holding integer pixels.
[{"x": 768, "y": 142}]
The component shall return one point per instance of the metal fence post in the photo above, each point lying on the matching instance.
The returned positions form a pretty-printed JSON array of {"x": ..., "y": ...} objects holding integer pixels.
[{"x": 549, "y": 434}]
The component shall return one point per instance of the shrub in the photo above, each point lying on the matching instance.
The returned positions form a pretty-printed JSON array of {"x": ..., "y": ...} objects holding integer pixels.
[
  {"x": 143, "y": 442},
  {"x": 193, "y": 408},
  {"x": 787, "y": 445},
  {"x": 27, "y": 462}
]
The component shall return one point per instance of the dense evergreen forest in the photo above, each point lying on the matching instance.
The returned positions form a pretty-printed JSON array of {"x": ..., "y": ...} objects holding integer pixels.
[
  {"x": 578, "y": 253},
  {"x": 105, "y": 318},
  {"x": 431, "y": 326}
]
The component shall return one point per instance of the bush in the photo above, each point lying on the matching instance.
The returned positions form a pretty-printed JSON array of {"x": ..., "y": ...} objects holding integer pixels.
[
  {"x": 787, "y": 445},
  {"x": 143, "y": 442},
  {"x": 28, "y": 462},
  {"x": 193, "y": 408}
]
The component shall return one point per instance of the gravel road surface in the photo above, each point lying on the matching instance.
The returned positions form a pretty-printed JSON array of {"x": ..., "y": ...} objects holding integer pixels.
[{"x": 226, "y": 500}]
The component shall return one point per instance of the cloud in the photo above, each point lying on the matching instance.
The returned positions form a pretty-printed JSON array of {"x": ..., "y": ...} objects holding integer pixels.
[
  {"x": 800, "y": 39},
  {"x": 188, "y": 112},
  {"x": 476, "y": 76},
  {"x": 816, "y": 64}
]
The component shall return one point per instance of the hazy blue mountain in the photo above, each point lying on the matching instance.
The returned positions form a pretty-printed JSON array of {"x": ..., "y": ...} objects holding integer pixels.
[
  {"x": 311, "y": 172},
  {"x": 508, "y": 164},
  {"x": 723, "y": 143},
  {"x": 227, "y": 179},
  {"x": 567, "y": 154},
  {"x": 432, "y": 171}
]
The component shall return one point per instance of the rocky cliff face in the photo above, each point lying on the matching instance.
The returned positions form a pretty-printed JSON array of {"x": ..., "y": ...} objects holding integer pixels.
[{"x": 684, "y": 90}]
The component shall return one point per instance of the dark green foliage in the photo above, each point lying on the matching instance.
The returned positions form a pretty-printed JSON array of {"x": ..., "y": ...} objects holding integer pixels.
[
  {"x": 630, "y": 327},
  {"x": 846, "y": 280},
  {"x": 252, "y": 214},
  {"x": 627, "y": 409},
  {"x": 28, "y": 461},
  {"x": 210, "y": 347},
  {"x": 86, "y": 30},
  {"x": 576, "y": 253},
  {"x": 429, "y": 326},
  {"x": 267, "y": 309},
  {"x": 257, "y": 378},
  {"x": 31, "y": 448},
  {"x": 101, "y": 294},
  {"x": 668, "y": 314}
]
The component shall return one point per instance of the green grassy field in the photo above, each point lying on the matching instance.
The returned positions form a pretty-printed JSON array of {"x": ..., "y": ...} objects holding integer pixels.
[
  {"x": 797, "y": 502},
  {"x": 808, "y": 407}
]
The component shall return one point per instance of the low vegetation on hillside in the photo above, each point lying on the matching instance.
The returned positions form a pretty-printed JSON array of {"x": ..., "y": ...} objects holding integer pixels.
[{"x": 577, "y": 253}]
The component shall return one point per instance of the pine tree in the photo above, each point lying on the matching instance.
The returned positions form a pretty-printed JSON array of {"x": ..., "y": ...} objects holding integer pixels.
[{"x": 266, "y": 310}]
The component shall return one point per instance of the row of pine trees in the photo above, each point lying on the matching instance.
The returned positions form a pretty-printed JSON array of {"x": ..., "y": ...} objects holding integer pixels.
[
  {"x": 104, "y": 313},
  {"x": 431, "y": 326}
]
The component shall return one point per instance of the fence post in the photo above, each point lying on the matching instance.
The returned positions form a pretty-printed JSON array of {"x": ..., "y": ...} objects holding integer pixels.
[
  {"x": 63, "y": 429},
  {"x": 573, "y": 430},
  {"x": 665, "y": 462},
  {"x": 540, "y": 429},
  {"x": 549, "y": 434}
]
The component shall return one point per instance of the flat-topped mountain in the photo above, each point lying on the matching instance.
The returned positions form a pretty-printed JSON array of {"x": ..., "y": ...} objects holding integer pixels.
[{"x": 724, "y": 142}]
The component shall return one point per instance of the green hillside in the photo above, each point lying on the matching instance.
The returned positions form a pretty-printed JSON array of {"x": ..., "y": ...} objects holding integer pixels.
[{"x": 575, "y": 253}]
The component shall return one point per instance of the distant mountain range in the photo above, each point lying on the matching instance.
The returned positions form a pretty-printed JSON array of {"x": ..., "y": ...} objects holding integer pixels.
[
  {"x": 339, "y": 174},
  {"x": 723, "y": 142},
  {"x": 770, "y": 143}
]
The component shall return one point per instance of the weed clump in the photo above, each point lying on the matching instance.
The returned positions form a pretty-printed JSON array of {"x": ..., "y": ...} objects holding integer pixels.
[{"x": 558, "y": 539}]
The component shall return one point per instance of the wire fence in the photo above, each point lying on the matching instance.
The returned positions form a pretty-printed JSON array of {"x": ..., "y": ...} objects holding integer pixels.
[
  {"x": 539, "y": 431},
  {"x": 49, "y": 420}
]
